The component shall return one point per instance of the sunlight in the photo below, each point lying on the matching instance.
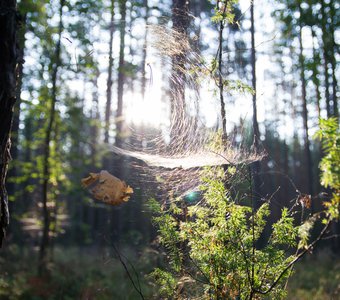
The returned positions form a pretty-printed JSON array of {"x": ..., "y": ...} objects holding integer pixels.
[{"x": 150, "y": 111}]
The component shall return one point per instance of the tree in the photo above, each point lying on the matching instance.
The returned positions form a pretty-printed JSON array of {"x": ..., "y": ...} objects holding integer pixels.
[
  {"x": 333, "y": 50},
  {"x": 295, "y": 18},
  {"x": 309, "y": 166},
  {"x": 13, "y": 171},
  {"x": 222, "y": 8},
  {"x": 109, "y": 77},
  {"x": 56, "y": 62},
  {"x": 256, "y": 165},
  {"x": 145, "y": 46},
  {"x": 325, "y": 58},
  {"x": 211, "y": 244},
  {"x": 180, "y": 24},
  {"x": 8, "y": 54},
  {"x": 121, "y": 74}
]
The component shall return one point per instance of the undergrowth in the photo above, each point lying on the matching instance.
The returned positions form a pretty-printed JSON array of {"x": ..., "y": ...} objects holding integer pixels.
[
  {"x": 317, "y": 277},
  {"x": 74, "y": 274}
]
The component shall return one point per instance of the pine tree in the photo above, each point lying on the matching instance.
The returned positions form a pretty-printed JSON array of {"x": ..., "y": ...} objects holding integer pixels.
[{"x": 8, "y": 54}]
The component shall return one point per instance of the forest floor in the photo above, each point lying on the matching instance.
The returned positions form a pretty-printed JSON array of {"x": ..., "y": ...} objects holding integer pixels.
[
  {"x": 86, "y": 273},
  {"x": 316, "y": 277}
]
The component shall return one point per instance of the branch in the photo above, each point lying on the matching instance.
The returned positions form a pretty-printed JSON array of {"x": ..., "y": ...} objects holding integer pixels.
[
  {"x": 297, "y": 258},
  {"x": 137, "y": 288}
]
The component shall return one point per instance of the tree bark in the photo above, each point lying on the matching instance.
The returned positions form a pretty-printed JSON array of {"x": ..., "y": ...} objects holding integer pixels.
[
  {"x": 325, "y": 45},
  {"x": 109, "y": 78},
  {"x": 316, "y": 80},
  {"x": 8, "y": 54},
  {"x": 56, "y": 62},
  {"x": 180, "y": 23},
  {"x": 256, "y": 185},
  {"x": 308, "y": 158},
  {"x": 121, "y": 75},
  {"x": 333, "y": 51},
  {"x": 14, "y": 171},
  {"x": 95, "y": 118},
  {"x": 220, "y": 79}
]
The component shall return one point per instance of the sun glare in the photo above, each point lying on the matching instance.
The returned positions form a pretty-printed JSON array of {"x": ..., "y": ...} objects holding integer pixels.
[{"x": 150, "y": 111}]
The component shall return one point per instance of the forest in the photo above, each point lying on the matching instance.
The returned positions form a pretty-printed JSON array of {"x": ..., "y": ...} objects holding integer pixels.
[{"x": 171, "y": 149}]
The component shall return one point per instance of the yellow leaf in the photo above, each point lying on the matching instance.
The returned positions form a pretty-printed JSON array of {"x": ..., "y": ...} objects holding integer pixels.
[{"x": 107, "y": 188}]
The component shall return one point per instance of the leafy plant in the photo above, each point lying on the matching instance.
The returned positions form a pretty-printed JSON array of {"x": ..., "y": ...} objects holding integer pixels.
[
  {"x": 215, "y": 241},
  {"x": 329, "y": 134},
  {"x": 214, "y": 244}
]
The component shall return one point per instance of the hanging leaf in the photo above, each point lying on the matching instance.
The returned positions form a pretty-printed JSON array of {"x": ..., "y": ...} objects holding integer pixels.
[{"x": 107, "y": 188}]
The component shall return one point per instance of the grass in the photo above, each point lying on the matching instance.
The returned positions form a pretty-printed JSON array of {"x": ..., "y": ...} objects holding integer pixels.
[
  {"x": 90, "y": 273},
  {"x": 73, "y": 274},
  {"x": 317, "y": 277}
]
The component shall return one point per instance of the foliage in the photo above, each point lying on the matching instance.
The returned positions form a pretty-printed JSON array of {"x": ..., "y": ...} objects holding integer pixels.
[
  {"x": 224, "y": 11},
  {"x": 167, "y": 283},
  {"x": 329, "y": 134},
  {"x": 214, "y": 243},
  {"x": 200, "y": 239}
]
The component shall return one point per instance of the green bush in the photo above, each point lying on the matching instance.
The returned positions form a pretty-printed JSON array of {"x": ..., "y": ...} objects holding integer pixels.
[{"x": 213, "y": 244}]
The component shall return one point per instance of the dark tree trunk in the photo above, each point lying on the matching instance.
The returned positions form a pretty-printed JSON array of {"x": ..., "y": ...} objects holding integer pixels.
[
  {"x": 308, "y": 158},
  {"x": 121, "y": 75},
  {"x": 8, "y": 54},
  {"x": 285, "y": 166},
  {"x": 220, "y": 78},
  {"x": 45, "y": 240},
  {"x": 180, "y": 23},
  {"x": 256, "y": 185},
  {"x": 114, "y": 216},
  {"x": 14, "y": 188},
  {"x": 325, "y": 45},
  {"x": 109, "y": 78},
  {"x": 13, "y": 171},
  {"x": 333, "y": 52},
  {"x": 335, "y": 109},
  {"x": 95, "y": 119}
]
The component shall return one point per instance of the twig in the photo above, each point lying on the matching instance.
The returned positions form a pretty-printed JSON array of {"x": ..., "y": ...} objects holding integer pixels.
[
  {"x": 297, "y": 258},
  {"x": 202, "y": 272},
  {"x": 333, "y": 236},
  {"x": 119, "y": 256}
]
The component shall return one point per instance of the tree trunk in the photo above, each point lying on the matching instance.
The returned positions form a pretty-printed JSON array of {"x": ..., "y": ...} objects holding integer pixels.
[
  {"x": 180, "y": 23},
  {"x": 325, "y": 45},
  {"x": 308, "y": 158},
  {"x": 335, "y": 110},
  {"x": 109, "y": 78},
  {"x": 48, "y": 137},
  {"x": 8, "y": 54},
  {"x": 145, "y": 46},
  {"x": 220, "y": 79},
  {"x": 316, "y": 80},
  {"x": 284, "y": 181},
  {"x": 333, "y": 52},
  {"x": 13, "y": 171},
  {"x": 121, "y": 75},
  {"x": 256, "y": 185},
  {"x": 95, "y": 119}
]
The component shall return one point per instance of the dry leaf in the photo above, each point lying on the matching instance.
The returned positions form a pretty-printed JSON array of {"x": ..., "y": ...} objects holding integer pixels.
[
  {"x": 305, "y": 200},
  {"x": 107, "y": 188}
]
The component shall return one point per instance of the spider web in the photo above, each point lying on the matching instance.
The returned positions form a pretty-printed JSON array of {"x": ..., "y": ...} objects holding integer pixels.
[{"x": 177, "y": 162}]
